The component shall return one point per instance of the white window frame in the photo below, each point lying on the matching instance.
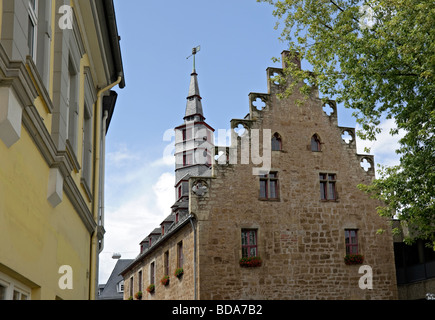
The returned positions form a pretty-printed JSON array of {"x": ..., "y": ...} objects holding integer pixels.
[
  {"x": 120, "y": 286},
  {"x": 33, "y": 18},
  {"x": 14, "y": 286}
]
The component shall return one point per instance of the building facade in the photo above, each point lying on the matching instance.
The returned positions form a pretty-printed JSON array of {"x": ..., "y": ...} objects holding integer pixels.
[
  {"x": 276, "y": 216},
  {"x": 59, "y": 61}
]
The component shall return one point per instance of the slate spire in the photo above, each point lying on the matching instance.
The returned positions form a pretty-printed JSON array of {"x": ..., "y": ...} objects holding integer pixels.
[{"x": 194, "y": 105}]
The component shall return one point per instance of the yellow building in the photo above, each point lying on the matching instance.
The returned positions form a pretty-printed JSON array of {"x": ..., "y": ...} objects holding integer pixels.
[{"x": 59, "y": 61}]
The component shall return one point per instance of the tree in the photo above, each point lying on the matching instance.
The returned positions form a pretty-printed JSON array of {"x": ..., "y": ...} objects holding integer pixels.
[{"x": 376, "y": 57}]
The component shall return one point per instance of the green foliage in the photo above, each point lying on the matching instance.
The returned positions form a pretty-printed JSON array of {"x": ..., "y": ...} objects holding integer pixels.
[
  {"x": 151, "y": 288},
  {"x": 179, "y": 272},
  {"x": 165, "y": 280},
  {"x": 376, "y": 57}
]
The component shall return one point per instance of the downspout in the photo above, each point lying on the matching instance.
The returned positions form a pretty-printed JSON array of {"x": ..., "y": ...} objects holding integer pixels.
[
  {"x": 194, "y": 257},
  {"x": 103, "y": 173},
  {"x": 94, "y": 237}
]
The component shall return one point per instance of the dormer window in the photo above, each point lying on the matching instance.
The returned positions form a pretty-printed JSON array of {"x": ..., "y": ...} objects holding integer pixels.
[{"x": 120, "y": 286}]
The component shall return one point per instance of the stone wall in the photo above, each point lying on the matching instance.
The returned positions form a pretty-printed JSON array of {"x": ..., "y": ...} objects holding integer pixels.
[
  {"x": 178, "y": 288},
  {"x": 301, "y": 239}
]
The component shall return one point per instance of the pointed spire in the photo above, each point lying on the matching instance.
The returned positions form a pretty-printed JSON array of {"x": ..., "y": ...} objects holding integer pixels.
[{"x": 194, "y": 105}]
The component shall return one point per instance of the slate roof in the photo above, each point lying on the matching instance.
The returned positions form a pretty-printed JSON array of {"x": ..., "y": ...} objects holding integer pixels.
[
  {"x": 194, "y": 105},
  {"x": 110, "y": 292}
]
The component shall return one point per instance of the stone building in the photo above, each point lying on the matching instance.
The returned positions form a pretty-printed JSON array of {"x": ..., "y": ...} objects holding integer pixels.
[{"x": 273, "y": 215}]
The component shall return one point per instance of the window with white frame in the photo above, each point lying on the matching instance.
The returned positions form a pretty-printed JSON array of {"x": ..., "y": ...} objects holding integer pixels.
[
  {"x": 11, "y": 289},
  {"x": 32, "y": 28},
  {"x": 120, "y": 286}
]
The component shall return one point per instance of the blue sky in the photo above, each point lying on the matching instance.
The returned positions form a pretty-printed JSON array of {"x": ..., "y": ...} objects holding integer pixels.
[{"x": 238, "y": 41}]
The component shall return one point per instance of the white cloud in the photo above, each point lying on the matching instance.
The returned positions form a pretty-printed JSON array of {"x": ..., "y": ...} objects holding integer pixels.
[
  {"x": 120, "y": 157},
  {"x": 384, "y": 148},
  {"x": 138, "y": 198},
  {"x": 165, "y": 192}
]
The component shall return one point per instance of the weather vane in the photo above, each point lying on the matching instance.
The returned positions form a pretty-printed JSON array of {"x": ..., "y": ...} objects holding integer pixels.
[{"x": 194, "y": 52}]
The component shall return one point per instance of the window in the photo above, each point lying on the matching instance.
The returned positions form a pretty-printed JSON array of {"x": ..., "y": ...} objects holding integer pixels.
[
  {"x": 11, "y": 289},
  {"x": 187, "y": 134},
  {"x": 87, "y": 147},
  {"x": 249, "y": 243},
  {"x": 315, "y": 143},
  {"x": 187, "y": 158},
  {"x": 327, "y": 186},
  {"x": 269, "y": 186},
  {"x": 2, "y": 292},
  {"x": 276, "y": 142},
  {"x": 152, "y": 273},
  {"x": 32, "y": 28},
  {"x": 131, "y": 286},
  {"x": 140, "y": 280},
  {"x": 351, "y": 240},
  {"x": 180, "y": 255},
  {"x": 120, "y": 286},
  {"x": 19, "y": 295},
  {"x": 73, "y": 109},
  {"x": 166, "y": 263},
  {"x": 179, "y": 191}
]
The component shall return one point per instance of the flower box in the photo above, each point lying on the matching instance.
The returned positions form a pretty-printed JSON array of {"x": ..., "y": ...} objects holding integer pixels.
[
  {"x": 138, "y": 295},
  {"x": 165, "y": 280},
  {"x": 351, "y": 259},
  {"x": 179, "y": 272},
  {"x": 250, "y": 262},
  {"x": 151, "y": 288}
]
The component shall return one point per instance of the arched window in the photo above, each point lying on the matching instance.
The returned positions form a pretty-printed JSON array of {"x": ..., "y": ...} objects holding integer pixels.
[
  {"x": 315, "y": 143},
  {"x": 276, "y": 142}
]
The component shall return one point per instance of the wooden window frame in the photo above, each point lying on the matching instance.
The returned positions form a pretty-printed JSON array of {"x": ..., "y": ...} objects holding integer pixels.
[
  {"x": 351, "y": 247},
  {"x": 247, "y": 246},
  {"x": 267, "y": 181},
  {"x": 328, "y": 181}
]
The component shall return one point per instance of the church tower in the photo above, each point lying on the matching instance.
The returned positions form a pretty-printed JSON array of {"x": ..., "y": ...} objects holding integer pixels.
[{"x": 193, "y": 140}]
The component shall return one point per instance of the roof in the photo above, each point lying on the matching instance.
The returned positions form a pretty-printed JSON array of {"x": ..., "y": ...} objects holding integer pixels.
[
  {"x": 110, "y": 291},
  {"x": 175, "y": 227},
  {"x": 194, "y": 105}
]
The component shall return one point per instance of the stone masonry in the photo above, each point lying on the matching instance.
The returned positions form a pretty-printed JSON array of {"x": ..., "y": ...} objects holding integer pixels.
[{"x": 300, "y": 237}]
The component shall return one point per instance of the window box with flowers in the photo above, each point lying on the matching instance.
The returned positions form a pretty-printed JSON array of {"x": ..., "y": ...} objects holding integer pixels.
[
  {"x": 179, "y": 272},
  {"x": 151, "y": 288},
  {"x": 138, "y": 295},
  {"x": 250, "y": 262},
  {"x": 165, "y": 280},
  {"x": 351, "y": 259}
]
